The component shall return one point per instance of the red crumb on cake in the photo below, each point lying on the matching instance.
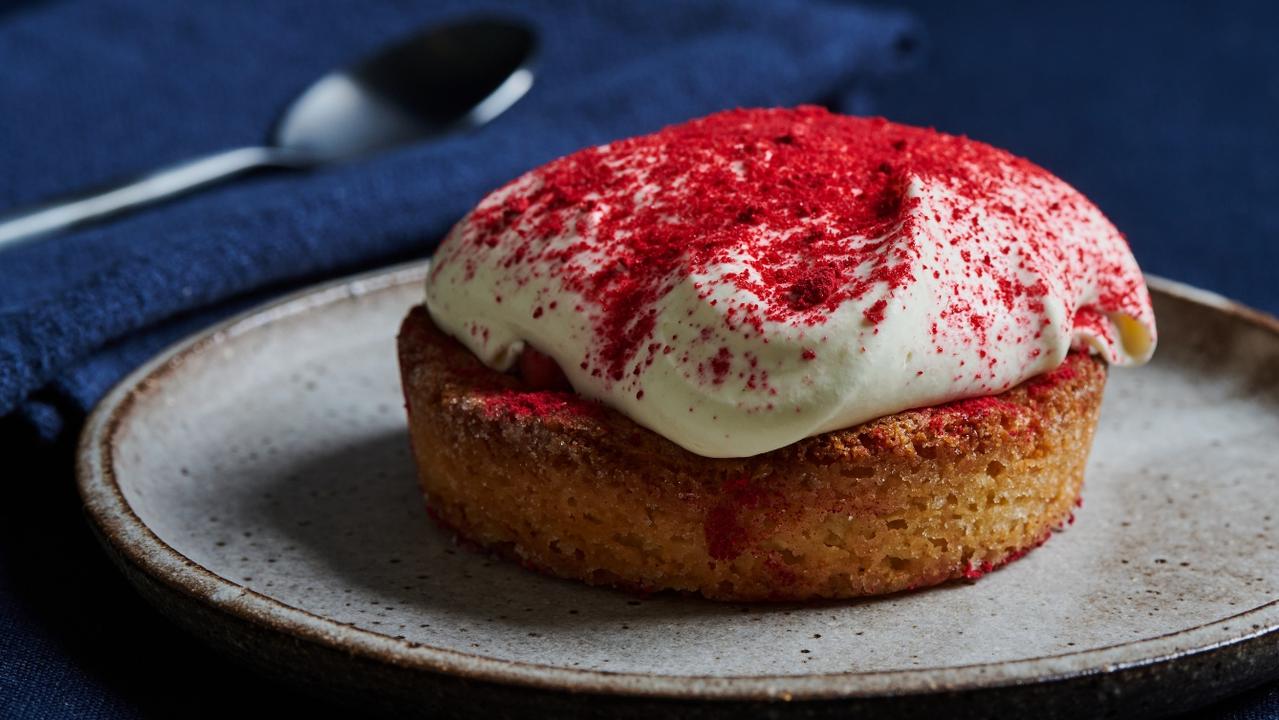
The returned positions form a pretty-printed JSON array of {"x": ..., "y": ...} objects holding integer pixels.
[
  {"x": 964, "y": 412},
  {"x": 960, "y": 413},
  {"x": 975, "y": 572},
  {"x": 727, "y": 536},
  {"x": 515, "y": 403},
  {"x": 1042, "y": 384}
]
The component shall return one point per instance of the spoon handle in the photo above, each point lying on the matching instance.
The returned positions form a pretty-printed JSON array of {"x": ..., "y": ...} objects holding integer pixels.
[{"x": 150, "y": 188}]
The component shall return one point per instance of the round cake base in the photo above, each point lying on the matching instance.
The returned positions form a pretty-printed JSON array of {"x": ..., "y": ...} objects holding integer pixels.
[{"x": 572, "y": 488}]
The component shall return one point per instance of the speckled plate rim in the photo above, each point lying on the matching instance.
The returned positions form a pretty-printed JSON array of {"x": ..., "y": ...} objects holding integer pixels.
[{"x": 134, "y": 542}]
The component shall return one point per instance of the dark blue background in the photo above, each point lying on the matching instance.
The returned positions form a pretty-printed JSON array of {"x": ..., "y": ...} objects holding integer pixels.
[{"x": 1167, "y": 116}]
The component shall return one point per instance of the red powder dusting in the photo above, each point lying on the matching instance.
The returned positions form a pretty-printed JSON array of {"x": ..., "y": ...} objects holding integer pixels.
[
  {"x": 964, "y": 413},
  {"x": 815, "y": 206},
  {"x": 720, "y": 364},
  {"x": 812, "y": 289},
  {"x": 875, "y": 313},
  {"x": 538, "y": 404},
  {"x": 1041, "y": 385},
  {"x": 726, "y": 538},
  {"x": 973, "y": 572}
]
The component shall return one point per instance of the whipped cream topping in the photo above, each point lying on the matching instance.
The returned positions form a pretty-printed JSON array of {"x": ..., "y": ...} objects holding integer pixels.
[{"x": 742, "y": 281}]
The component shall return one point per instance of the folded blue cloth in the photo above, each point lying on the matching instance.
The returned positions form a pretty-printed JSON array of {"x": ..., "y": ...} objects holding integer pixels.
[{"x": 93, "y": 91}]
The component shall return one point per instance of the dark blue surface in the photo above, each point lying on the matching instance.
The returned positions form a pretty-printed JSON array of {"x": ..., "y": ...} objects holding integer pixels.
[{"x": 1165, "y": 116}]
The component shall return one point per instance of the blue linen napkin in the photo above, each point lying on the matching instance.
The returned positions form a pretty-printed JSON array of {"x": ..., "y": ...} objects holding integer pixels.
[{"x": 94, "y": 91}]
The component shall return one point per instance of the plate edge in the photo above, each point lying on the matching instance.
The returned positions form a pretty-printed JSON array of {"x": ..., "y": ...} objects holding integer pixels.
[{"x": 102, "y": 497}]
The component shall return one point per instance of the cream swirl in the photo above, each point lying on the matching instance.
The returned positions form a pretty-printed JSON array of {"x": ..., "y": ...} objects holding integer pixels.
[{"x": 749, "y": 279}]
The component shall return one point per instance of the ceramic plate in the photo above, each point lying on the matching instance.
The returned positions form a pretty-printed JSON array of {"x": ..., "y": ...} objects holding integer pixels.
[{"x": 255, "y": 483}]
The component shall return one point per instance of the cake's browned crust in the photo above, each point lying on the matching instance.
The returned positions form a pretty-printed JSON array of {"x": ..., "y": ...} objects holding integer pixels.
[{"x": 578, "y": 490}]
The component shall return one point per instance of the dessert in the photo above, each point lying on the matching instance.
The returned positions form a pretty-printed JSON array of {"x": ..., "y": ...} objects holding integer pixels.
[{"x": 770, "y": 354}]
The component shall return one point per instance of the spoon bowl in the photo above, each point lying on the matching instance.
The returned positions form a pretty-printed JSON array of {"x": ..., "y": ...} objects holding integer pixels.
[{"x": 444, "y": 79}]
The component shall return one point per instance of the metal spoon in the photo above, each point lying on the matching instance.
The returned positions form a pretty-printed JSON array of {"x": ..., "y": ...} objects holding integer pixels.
[{"x": 444, "y": 79}]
